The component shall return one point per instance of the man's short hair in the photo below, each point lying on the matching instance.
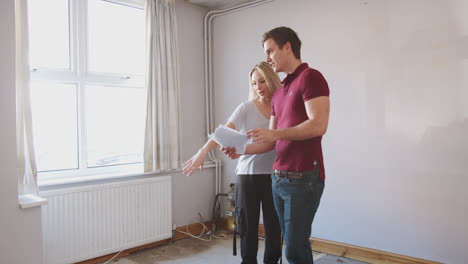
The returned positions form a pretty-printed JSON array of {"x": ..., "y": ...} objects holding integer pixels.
[{"x": 282, "y": 35}]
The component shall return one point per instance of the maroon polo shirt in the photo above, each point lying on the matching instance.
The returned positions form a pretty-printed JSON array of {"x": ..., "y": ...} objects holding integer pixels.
[{"x": 288, "y": 107}]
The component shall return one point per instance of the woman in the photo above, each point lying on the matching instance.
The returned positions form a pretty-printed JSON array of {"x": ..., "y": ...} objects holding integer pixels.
[{"x": 253, "y": 186}]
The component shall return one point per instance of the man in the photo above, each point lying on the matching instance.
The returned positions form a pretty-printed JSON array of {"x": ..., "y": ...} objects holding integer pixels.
[{"x": 299, "y": 119}]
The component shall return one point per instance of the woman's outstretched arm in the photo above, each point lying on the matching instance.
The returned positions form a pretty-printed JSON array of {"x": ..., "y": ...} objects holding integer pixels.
[{"x": 197, "y": 160}]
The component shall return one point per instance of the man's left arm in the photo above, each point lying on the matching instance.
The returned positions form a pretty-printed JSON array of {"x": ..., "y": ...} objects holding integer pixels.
[{"x": 318, "y": 111}]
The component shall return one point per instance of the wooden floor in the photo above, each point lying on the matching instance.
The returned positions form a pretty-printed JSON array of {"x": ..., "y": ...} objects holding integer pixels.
[{"x": 217, "y": 251}]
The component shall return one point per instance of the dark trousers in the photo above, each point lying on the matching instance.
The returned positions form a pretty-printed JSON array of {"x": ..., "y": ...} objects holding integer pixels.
[{"x": 253, "y": 191}]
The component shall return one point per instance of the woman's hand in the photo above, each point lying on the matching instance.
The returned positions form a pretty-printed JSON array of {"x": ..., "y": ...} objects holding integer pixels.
[
  {"x": 191, "y": 165},
  {"x": 230, "y": 152}
]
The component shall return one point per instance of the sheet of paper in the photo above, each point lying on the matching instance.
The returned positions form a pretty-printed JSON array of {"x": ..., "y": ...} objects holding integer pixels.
[{"x": 228, "y": 137}]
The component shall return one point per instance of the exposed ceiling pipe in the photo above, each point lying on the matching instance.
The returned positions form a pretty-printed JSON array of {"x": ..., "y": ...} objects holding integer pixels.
[{"x": 209, "y": 77}]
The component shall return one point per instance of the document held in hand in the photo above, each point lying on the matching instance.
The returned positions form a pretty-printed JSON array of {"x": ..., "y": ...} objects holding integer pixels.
[{"x": 228, "y": 137}]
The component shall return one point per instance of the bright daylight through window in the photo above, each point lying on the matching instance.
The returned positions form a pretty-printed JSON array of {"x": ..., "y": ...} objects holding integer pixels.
[{"x": 87, "y": 62}]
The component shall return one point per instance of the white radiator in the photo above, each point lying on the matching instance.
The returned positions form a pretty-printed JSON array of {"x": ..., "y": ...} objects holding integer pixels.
[{"x": 91, "y": 221}]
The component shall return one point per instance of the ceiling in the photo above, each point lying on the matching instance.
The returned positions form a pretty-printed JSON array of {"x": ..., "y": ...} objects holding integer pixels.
[{"x": 217, "y": 4}]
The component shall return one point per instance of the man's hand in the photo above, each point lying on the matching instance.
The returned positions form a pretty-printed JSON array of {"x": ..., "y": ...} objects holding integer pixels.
[
  {"x": 230, "y": 152},
  {"x": 260, "y": 135}
]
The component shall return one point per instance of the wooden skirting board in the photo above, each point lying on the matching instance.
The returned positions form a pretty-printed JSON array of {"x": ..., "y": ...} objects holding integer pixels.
[{"x": 368, "y": 255}]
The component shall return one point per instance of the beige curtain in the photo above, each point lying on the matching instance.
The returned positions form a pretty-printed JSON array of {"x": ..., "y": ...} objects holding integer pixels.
[
  {"x": 27, "y": 180},
  {"x": 162, "y": 134}
]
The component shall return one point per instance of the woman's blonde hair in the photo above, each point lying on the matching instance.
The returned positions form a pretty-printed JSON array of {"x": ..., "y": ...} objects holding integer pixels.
[{"x": 272, "y": 80}]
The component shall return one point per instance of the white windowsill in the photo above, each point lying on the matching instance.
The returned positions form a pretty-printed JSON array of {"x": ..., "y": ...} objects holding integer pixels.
[
  {"x": 87, "y": 179},
  {"x": 30, "y": 200}
]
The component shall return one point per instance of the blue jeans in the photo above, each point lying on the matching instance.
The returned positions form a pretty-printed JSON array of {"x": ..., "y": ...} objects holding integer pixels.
[{"x": 296, "y": 201}]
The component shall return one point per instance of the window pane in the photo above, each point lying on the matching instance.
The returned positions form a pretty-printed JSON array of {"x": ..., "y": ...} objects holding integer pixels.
[
  {"x": 117, "y": 43},
  {"x": 54, "y": 110},
  {"x": 49, "y": 34},
  {"x": 115, "y": 125}
]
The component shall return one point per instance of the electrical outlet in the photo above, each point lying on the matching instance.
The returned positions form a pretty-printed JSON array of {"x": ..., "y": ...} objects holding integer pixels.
[{"x": 174, "y": 227}]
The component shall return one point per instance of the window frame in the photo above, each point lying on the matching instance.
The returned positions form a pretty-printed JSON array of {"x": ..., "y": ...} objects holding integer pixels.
[{"x": 79, "y": 75}]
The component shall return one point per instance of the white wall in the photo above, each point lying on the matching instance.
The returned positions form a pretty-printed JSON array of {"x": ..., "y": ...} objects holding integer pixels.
[
  {"x": 20, "y": 230},
  {"x": 195, "y": 193},
  {"x": 396, "y": 148}
]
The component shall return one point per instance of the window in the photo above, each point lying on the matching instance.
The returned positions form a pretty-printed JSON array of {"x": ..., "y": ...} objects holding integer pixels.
[{"x": 87, "y": 62}]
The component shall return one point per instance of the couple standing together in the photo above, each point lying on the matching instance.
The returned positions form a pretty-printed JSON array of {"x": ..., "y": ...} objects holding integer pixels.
[{"x": 289, "y": 117}]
